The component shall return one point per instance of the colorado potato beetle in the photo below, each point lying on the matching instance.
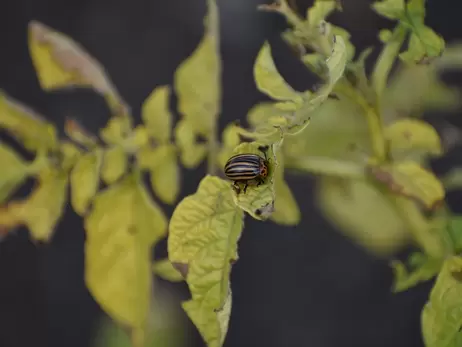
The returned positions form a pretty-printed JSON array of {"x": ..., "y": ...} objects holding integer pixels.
[{"x": 247, "y": 168}]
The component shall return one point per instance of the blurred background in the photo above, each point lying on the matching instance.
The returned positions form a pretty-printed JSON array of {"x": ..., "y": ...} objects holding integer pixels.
[{"x": 292, "y": 287}]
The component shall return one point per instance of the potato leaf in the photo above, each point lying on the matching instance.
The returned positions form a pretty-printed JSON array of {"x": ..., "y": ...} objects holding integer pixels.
[
  {"x": 115, "y": 131},
  {"x": 442, "y": 314},
  {"x": 79, "y": 134},
  {"x": 165, "y": 174},
  {"x": 157, "y": 116},
  {"x": 363, "y": 213},
  {"x": 454, "y": 229},
  {"x": 42, "y": 210},
  {"x": 115, "y": 164},
  {"x": 13, "y": 173},
  {"x": 60, "y": 62},
  {"x": 413, "y": 135},
  {"x": 391, "y": 9},
  {"x": 269, "y": 80},
  {"x": 164, "y": 269},
  {"x": 31, "y": 129},
  {"x": 192, "y": 153},
  {"x": 409, "y": 179},
  {"x": 258, "y": 201},
  {"x": 121, "y": 229},
  {"x": 405, "y": 279},
  {"x": 200, "y": 102},
  {"x": 203, "y": 234},
  {"x": 230, "y": 139},
  {"x": 84, "y": 179}
]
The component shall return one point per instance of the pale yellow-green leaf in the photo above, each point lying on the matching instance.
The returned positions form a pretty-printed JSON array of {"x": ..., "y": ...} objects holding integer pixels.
[
  {"x": 29, "y": 128},
  {"x": 442, "y": 314},
  {"x": 114, "y": 132},
  {"x": 114, "y": 164},
  {"x": 43, "y": 209},
  {"x": 70, "y": 154},
  {"x": 198, "y": 79},
  {"x": 363, "y": 213},
  {"x": 409, "y": 179},
  {"x": 258, "y": 201},
  {"x": 412, "y": 135},
  {"x": 424, "y": 44},
  {"x": 156, "y": 114},
  {"x": 229, "y": 139},
  {"x": 13, "y": 173},
  {"x": 337, "y": 61},
  {"x": 60, "y": 62},
  {"x": 203, "y": 235},
  {"x": 84, "y": 180},
  {"x": 121, "y": 229},
  {"x": 268, "y": 78},
  {"x": 192, "y": 153},
  {"x": 76, "y": 132},
  {"x": 164, "y": 269},
  {"x": 286, "y": 211},
  {"x": 391, "y": 9},
  {"x": 405, "y": 279},
  {"x": 319, "y": 11},
  {"x": 165, "y": 174}
]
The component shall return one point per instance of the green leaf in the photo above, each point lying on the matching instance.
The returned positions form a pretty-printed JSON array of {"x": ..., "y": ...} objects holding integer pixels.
[
  {"x": 442, "y": 314},
  {"x": 121, "y": 229},
  {"x": 320, "y": 11},
  {"x": 455, "y": 231},
  {"x": 192, "y": 153},
  {"x": 453, "y": 179},
  {"x": 409, "y": 179},
  {"x": 391, "y": 9},
  {"x": 363, "y": 213},
  {"x": 156, "y": 114},
  {"x": 198, "y": 79},
  {"x": 426, "y": 270},
  {"x": 258, "y": 201},
  {"x": 114, "y": 164},
  {"x": 29, "y": 128},
  {"x": 42, "y": 210},
  {"x": 60, "y": 62},
  {"x": 413, "y": 135},
  {"x": 84, "y": 180},
  {"x": 13, "y": 173},
  {"x": 203, "y": 234},
  {"x": 286, "y": 211},
  {"x": 164, "y": 269},
  {"x": 424, "y": 44},
  {"x": 268, "y": 78},
  {"x": 165, "y": 174},
  {"x": 230, "y": 139},
  {"x": 114, "y": 132}
]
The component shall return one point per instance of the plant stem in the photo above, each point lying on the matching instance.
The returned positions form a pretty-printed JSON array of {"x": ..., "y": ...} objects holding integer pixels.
[{"x": 328, "y": 167}]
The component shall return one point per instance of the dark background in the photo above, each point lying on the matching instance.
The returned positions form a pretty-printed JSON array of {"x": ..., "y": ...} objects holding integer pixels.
[{"x": 301, "y": 286}]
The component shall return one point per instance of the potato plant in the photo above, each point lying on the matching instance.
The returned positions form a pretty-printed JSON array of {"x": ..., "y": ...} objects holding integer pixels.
[{"x": 360, "y": 134}]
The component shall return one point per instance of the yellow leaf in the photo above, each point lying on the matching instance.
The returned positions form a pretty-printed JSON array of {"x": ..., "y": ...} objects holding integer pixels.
[
  {"x": 114, "y": 132},
  {"x": 42, "y": 210},
  {"x": 198, "y": 79},
  {"x": 84, "y": 180},
  {"x": 114, "y": 164},
  {"x": 286, "y": 211},
  {"x": 203, "y": 235},
  {"x": 268, "y": 78},
  {"x": 164, "y": 269},
  {"x": 121, "y": 229},
  {"x": 258, "y": 201},
  {"x": 413, "y": 135},
  {"x": 79, "y": 134},
  {"x": 191, "y": 152},
  {"x": 405, "y": 279},
  {"x": 156, "y": 114},
  {"x": 13, "y": 172},
  {"x": 409, "y": 179},
  {"x": 229, "y": 139},
  {"x": 319, "y": 11},
  {"x": 60, "y": 62},
  {"x": 70, "y": 154},
  {"x": 165, "y": 174},
  {"x": 34, "y": 133},
  {"x": 442, "y": 314},
  {"x": 363, "y": 213}
]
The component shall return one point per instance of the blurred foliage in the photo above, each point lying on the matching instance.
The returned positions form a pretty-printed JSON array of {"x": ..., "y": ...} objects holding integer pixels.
[{"x": 360, "y": 135}]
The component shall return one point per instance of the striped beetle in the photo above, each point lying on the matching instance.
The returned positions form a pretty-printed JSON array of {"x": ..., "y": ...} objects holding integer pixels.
[{"x": 247, "y": 168}]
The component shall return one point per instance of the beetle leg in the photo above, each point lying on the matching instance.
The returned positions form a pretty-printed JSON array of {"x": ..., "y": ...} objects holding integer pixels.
[
  {"x": 264, "y": 150},
  {"x": 245, "y": 187},
  {"x": 236, "y": 187},
  {"x": 259, "y": 181}
]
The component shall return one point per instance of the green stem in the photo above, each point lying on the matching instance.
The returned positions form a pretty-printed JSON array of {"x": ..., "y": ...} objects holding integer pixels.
[{"x": 328, "y": 167}]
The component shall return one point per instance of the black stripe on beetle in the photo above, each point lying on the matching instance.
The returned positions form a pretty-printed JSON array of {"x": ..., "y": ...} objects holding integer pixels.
[{"x": 247, "y": 168}]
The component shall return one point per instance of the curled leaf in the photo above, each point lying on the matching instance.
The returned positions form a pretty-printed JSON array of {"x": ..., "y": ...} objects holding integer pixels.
[
  {"x": 31, "y": 129},
  {"x": 121, "y": 229},
  {"x": 84, "y": 180},
  {"x": 114, "y": 164},
  {"x": 13, "y": 173},
  {"x": 424, "y": 271},
  {"x": 442, "y": 314},
  {"x": 79, "y": 134},
  {"x": 200, "y": 102},
  {"x": 164, "y": 269},
  {"x": 60, "y": 62},
  {"x": 409, "y": 179},
  {"x": 156, "y": 114},
  {"x": 203, "y": 235},
  {"x": 258, "y": 200}
]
